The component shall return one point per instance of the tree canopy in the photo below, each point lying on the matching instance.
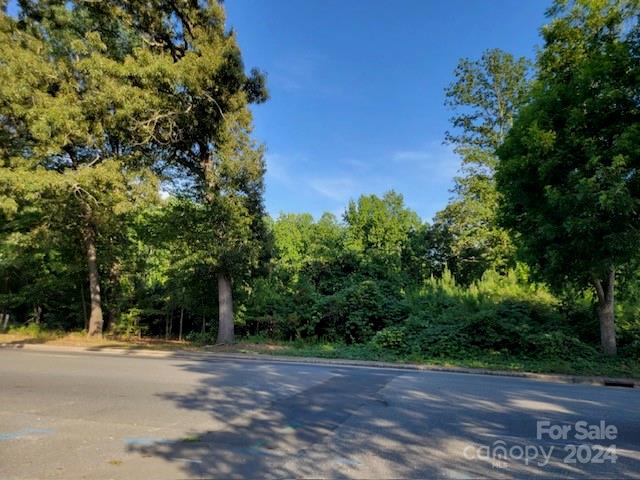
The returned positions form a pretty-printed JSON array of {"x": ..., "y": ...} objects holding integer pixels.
[
  {"x": 484, "y": 96},
  {"x": 569, "y": 166}
]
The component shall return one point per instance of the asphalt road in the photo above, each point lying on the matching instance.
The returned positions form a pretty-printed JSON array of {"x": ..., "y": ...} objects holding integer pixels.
[{"x": 99, "y": 416}]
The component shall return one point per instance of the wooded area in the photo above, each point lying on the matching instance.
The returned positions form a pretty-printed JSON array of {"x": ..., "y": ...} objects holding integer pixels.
[{"x": 131, "y": 194}]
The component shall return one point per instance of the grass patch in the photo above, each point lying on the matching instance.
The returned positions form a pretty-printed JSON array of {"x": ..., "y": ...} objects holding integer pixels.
[
  {"x": 599, "y": 366},
  {"x": 35, "y": 332}
]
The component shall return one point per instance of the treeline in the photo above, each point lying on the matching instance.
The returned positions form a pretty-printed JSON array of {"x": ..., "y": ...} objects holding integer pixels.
[
  {"x": 131, "y": 195},
  {"x": 100, "y": 103}
]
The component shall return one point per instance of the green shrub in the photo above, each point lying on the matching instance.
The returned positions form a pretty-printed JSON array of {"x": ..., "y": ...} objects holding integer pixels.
[
  {"x": 505, "y": 314},
  {"x": 440, "y": 340},
  {"x": 631, "y": 350},
  {"x": 202, "y": 338},
  {"x": 34, "y": 330},
  {"x": 559, "y": 345},
  {"x": 128, "y": 325},
  {"x": 391, "y": 338}
]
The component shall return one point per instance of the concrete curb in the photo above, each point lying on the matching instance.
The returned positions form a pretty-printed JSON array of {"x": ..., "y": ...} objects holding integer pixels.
[{"x": 212, "y": 356}]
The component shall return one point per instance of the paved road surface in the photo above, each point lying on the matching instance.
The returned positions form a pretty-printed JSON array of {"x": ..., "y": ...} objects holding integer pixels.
[{"x": 99, "y": 416}]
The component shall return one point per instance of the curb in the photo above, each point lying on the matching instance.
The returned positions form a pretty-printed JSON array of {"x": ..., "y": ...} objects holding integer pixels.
[{"x": 212, "y": 356}]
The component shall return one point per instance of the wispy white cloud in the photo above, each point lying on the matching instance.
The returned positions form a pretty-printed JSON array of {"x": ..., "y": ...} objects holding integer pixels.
[
  {"x": 411, "y": 155},
  {"x": 298, "y": 72},
  {"x": 434, "y": 161},
  {"x": 278, "y": 168},
  {"x": 356, "y": 163},
  {"x": 293, "y": 72},
  {"x": 298, "y": 183},
  {"x": 341, "y": 188}
]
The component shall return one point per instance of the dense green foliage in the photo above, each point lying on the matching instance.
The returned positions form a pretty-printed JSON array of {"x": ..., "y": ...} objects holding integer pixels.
[
  {"x": 102, "y": 100},
  {"x": 569, "y": 167},
  {"x": 129, "y": 183},
  {"x": 485, "y": 97},
  {"x": 320, "y": 289}
]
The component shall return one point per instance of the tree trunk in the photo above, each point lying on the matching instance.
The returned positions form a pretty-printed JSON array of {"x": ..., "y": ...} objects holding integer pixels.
[
  {"x": 606, "y": 315},
  {"x": 84, "y": 307},
  {"x": 180, "y": 328},
  {"x": 225, "y": 310},
  {"x": 37, "y": 314},
  {"x": 166, "y": 326},
  {"x": 225, "y": 299},
  {"x": 111, "y": 296},
  {"x": 170, "y": 325},
  {"x": 95, "y": 318}
]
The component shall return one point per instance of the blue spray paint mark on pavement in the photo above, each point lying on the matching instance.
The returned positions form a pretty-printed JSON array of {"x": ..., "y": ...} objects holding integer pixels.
[
  {"x": 143, "y": 441},
  {"x": 25, "y": 432}
]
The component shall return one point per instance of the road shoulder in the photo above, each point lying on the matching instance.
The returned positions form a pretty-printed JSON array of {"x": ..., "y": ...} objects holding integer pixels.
[{"x": 149, "y": 353}]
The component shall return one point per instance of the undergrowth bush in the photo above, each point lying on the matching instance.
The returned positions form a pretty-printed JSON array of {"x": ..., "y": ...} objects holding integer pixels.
[
  {"x": 202, "y": 338},
  {"x": 34, "y": 330},
  {"x": 391, "y": 338},
  {"x": 128, "y": 324},
  {"x": 507, "y": 315}
]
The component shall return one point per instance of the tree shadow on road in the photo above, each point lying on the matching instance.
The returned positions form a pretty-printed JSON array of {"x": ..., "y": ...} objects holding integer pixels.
[{"x": 304, "y": 421}]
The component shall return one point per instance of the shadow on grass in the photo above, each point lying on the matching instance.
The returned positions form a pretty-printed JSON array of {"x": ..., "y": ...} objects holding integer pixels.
[{"x": 26, "y": 341}]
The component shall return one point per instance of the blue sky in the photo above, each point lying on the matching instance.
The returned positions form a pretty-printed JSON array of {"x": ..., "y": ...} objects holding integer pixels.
[{"x": 357, "y": 91}]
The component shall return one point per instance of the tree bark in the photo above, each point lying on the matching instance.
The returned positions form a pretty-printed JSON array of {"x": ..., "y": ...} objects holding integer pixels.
[
  {"x": 95, "y": 317},
  {"x": 84, "y": 307},
  {"x": 111, "y": 296},
  {"x": 225, "y": 299},
  {"x": 225, "y": 310},
  {"x": 166, "y": 327},
  {"x": 37, "y": 314},
  {"x": 606, "y": 315}
]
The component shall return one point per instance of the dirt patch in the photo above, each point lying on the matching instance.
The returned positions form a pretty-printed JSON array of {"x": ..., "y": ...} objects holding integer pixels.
[{"x": 245, "y": 348}]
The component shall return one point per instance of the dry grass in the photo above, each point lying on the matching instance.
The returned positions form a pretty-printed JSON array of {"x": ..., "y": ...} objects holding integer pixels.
[{"x": 78, "y": 339}]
